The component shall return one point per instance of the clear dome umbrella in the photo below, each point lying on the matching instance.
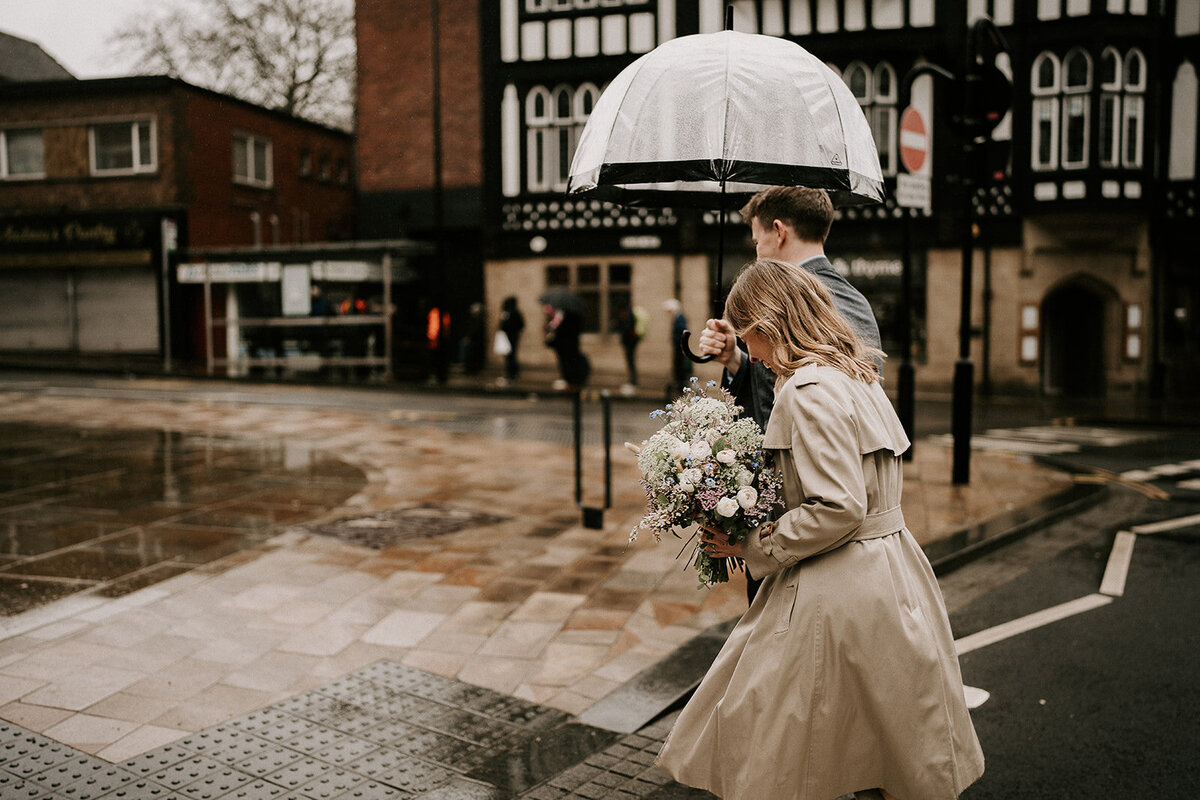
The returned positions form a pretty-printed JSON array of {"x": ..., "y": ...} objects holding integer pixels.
[{"x": 707, "y": 120}]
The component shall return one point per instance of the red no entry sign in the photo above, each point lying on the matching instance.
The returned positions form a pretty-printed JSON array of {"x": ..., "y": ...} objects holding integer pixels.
[{"x": 914, "y": 140}]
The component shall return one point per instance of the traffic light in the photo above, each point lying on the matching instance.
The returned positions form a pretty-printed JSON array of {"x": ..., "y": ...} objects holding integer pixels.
[
  {"x": 988, "y": 97},
  {"x": 987, "y": 91}
]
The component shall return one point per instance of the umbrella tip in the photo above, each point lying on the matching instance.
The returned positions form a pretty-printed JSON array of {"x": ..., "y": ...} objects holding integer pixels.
[{"x": 729, "y": 17}]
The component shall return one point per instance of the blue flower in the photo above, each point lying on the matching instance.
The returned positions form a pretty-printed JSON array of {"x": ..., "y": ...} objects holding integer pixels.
[{"x": 711, "y": 383}]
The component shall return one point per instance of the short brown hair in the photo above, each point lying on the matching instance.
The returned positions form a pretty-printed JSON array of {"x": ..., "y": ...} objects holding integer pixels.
[{"x": 809, "y": 212}]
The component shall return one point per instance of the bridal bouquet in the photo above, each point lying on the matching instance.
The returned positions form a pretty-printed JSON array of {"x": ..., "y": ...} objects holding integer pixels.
[{"x": 706, "y": 465}]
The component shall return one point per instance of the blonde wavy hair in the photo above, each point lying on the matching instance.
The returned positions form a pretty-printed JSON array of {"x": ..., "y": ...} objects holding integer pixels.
[{"x": 789, "y": 308}]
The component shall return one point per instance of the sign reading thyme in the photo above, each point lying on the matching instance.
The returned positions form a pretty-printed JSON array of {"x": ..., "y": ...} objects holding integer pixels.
[{"x": 73, "y": 232}]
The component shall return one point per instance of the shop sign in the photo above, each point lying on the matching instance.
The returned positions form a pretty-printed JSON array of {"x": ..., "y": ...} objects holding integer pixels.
[
  {"x": 348, "y": 271},
  {"x": 859, "y": 268},
  {"x": 230, "y": 272},
  {"x": 72, "y": 233}
]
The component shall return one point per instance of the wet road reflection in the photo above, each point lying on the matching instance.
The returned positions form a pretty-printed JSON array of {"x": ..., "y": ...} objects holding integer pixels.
[{"x": 112, "y": 511}]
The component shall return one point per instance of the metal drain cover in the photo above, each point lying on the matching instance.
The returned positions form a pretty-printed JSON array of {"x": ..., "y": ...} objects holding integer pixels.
[{"x": 388, "y": 528}]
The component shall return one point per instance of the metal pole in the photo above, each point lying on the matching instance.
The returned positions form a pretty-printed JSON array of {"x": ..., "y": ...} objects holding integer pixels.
[
  {"x": 964, "y": 370},
  {"x": 606, "y": 403},
  {"x": 905, "y": 401},
  {"x": 577, "y": 402}
]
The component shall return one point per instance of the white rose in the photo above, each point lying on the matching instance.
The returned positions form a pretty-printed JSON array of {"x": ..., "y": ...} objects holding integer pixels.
[
  {"x": 711, "y": 435},
  {"x": 689, "y": 479},
  {"x": 700, "y": 450},
  {"x": 680, "y": 450},
  {"x": 727, "y": 456},
  {"x": 747, "y": 496},
  {"x": 727, "y": 506},
  {"x": 745, "y": 477}
]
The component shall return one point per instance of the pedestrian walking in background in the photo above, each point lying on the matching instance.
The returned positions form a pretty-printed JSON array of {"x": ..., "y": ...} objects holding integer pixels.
[
  {"x": 842, "y": 675},
  {"x": 632, "y": 322},
  {"x": 790, "y": 223},
  {"x": 473, "y": 346},
  {"x": 563, "y": 328},
  {"x": 437, "y": 343},
  {"x": 681, "y": 365},
  {"x": 512, "y": 323}
]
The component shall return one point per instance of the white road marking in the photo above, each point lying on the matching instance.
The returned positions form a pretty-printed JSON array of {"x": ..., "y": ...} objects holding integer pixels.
[
  {"x": 975, "y": 697},
  {"x": 1117, "y": 570},
  {"x": 1167, "y": 524},
  {"x": 1030, "y": 622}
]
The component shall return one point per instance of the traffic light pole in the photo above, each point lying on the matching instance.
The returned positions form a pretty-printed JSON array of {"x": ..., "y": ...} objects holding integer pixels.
[{"x": 964, "y": 369}]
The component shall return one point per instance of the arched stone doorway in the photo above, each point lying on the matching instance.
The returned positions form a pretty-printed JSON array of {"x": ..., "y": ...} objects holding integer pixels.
[{"x": 1074, "y": 339}]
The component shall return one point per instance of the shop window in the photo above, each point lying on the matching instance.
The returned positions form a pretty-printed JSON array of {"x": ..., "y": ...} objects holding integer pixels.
[
  {"x": 602, "y": 289},
  {"x": 22, "y": 153},
  {"x": 122, "y": 148},
  {"x": 252, "y": 160}
]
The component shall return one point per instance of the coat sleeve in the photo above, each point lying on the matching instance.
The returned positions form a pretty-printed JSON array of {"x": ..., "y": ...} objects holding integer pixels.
[{"x": 825, "y": 449}]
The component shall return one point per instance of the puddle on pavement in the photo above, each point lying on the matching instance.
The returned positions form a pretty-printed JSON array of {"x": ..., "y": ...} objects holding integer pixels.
[{"x": 112, "y": 511}]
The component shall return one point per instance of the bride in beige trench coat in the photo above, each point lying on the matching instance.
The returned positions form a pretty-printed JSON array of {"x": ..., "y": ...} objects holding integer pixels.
[{"x": 842, "y": 675}]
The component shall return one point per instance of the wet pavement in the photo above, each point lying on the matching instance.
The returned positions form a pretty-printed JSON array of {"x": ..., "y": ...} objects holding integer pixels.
[
  {"x": 113, "y": 511},
  {"x": 356, "y": 602}
]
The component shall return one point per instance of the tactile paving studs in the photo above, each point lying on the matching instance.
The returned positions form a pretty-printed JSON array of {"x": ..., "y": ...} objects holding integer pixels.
[
  {"x": 157, "y": 760},
  {"x": 97, "y": 784}
]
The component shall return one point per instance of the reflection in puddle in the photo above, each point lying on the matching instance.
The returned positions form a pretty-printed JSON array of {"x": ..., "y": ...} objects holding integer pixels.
[{"x": 112, "y": 511}]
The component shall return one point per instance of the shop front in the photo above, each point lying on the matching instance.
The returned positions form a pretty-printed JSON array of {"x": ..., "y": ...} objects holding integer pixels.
[
  {"x": 80, "y": 286},
  {"x": 320, "y": 311}
]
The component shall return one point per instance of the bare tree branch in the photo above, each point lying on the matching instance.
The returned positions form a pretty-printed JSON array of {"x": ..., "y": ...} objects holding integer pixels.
[{"x": 290, "y": 55}]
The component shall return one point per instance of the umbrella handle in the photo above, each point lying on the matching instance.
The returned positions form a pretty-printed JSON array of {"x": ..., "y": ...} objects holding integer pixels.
[{"x": 687, "y": 351}]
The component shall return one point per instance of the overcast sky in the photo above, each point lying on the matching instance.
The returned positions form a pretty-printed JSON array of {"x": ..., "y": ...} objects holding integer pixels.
[{"x": 73, "y": 31}]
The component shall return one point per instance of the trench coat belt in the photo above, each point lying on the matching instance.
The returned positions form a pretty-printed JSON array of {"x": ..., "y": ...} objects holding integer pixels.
[{"x": 881, "y": 524}]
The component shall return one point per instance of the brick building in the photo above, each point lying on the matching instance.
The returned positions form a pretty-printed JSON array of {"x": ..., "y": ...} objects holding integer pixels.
[
  {"x": 1084, "y": 269},
  {"x": 105, "y": 182}
]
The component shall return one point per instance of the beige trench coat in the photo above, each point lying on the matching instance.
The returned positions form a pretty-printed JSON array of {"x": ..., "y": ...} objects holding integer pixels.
[{"x": 842, "y": 675}]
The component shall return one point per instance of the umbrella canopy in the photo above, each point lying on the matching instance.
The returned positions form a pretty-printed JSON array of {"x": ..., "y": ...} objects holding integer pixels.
[
  {"x": 565, "y": 301},
  {"x": 709, "y": 119}
]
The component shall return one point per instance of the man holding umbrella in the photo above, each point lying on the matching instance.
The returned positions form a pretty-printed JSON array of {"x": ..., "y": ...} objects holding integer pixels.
[{"x": 789, "y": 223}]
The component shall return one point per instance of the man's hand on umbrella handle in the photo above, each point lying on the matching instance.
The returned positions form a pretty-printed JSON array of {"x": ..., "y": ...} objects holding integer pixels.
[{"x": 718, "y": 340}]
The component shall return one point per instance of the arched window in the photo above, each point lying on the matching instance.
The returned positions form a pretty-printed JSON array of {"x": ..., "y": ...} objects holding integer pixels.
[
  {"x": 876, "y": 91},
  {"x": 539, "y": 142},
  {"x": 884, "y": 116},
  {"x": 1122, "y": 108},
  {"x": 1045, "y": 84},
  {"x": 554, "y": 120},
  {"x": 1134, "y": 110},
  {"x": 1076, "y": 116}
]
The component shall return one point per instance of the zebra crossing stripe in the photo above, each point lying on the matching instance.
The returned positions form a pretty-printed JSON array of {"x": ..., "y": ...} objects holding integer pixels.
[
  {"x": 1167, "y": 524},
  {"x": 1030, "y": 622},
  {"x": 1117, "y": 570}
]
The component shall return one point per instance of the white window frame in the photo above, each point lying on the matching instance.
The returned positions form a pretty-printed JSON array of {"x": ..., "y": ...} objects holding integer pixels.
[
  {"x": 135, "y": 142},
  {"x": 1108, "y": 127},
  {"x": 5, "y": 167},
  {"x": 250, "y": 179},
  {"x": 1076, "y": 109},
  {"x": 1046, "y": 104}
]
